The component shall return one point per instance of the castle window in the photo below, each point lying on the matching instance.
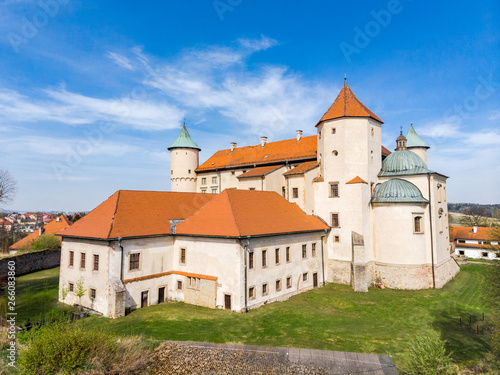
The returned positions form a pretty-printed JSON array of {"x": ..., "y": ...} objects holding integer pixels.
[
  {"x": 179, "y": 285},
  {"x": 373, "y": 132},
  {"x": 214, "y": 180},
  {"x": 313, "y": 250},
  {"x": 251, "y": 292},
  {"x": 289, "y": 282},
  {"x": 335, "y": 220},
  {"x": 439, "y": 192},
  {"x": 232, "y": 173},
  {"x": 265, "y": 289},
  {"x": 264, "y": 258},
  {"x": 319, "y": 135},
  {"x": 71, "y": 287},
  {"x": 278, "y": 285},
  {"x": 204, "y": 191},
  {"x": 277, "y": 255},
  {"x": 334, "y": 130},
  {"x": 283, "y": 191},
  {"x": 82, "y": 260},
  {"x": 335, "y": 152},
  {"x": 287, "y": 254},
  {"x": 214, "y": 191},
  {"x": 92, "y": 293},
  {"x": 484, "y": 254},
  {"x": 337, "y": 238},
  {"x": 171, "y": 171},
  {"x": 304, "y": 276},
  {"x": 182, "y": 256},
  {"x": 295, "y": 192},
  {"x": 71, "y": 258},
  {"x": 334, "y": 189},
  {"x": 250, "y": 260},
  {"x": 96, "y": 262},
  {"x": 189, "y": 171},
  {"x": 134, "y": 261},
  {"x": 203, "y": 180},
  {"x": 461, "y": 252},
  {"x": 304, "y": 251},
  {"x": 417, "y": 224},
  {"x": 252, "y": 188}
]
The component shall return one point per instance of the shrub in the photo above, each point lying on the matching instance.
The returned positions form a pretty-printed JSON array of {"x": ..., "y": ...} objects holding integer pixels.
[
  {"x": 426, "y": 354},
  {"x": 46, "y": 242}
]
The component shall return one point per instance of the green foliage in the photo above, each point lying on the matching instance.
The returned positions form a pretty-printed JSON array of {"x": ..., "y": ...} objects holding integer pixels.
[
  {"x": 426, "y": 354},
  {"x": 46, "y": 242},
  {"x": 80, "y": 289},
  {"x": 62, "y": 346}
]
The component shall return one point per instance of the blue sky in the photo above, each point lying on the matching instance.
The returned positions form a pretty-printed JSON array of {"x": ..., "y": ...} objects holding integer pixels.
[{"x": 92, "y": 93}]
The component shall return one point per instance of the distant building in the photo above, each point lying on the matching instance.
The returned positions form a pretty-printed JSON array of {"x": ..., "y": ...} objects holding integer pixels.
[
  {"x": 475, "y": 242},
  {"x": 51, "y": 228}
]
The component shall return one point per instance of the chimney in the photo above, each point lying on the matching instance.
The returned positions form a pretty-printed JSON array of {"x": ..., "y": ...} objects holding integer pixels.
[
  {"x": 58, "y": 219},
  {"x": 474, "y": 229},
  {"x": 233, "y": 146},
  {"x": 263, "y": 141},
  {"x": 299, "y": 135}
]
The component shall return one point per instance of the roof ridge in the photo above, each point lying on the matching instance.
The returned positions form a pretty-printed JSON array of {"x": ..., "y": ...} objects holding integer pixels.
[
  {"x": 114, "y": 214},
  {"x": 232, "y": 213}
]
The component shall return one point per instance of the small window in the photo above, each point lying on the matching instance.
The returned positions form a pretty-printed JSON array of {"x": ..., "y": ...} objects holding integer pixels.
[
  {"x": 264, "y": 258},
  {"x": 373, "y": 132},
  {"x": 251, "y": 292},
  {"x": 461, "y": 252},
  {"x": 214, "y": 191},
  {"x": 319, "y": 135},
  {"x": 250, "y": 260},
  {"x": 283, "y": 191},
  {"x": 278, "y": 285},
  {"x": 337, "y": 238},
  {"x": 295, "y": 192},
  {"x": 265, "y": 289},
  {"x": 232, "y": 173},
  {"x": 334, "y": 189},
  {"x": 335, "y": 152},
  {"x": 96, "y": 263},
  {"x": 288, "y": 257},
  {"x": 71, "y": 258},
  {"x": 497, "y": 255},
  {"x": 313, "y": 249},
  {"x": 417, "y": 224},
  {"x": 289, "y": 282},
  {"x": 171, "y": 171},
  {"x": 134, "y": 261},
  {"x": 461, "y": 241},
  {"x": 334, "y": 130},
  {"x": 92, "y": 293},
  {"x": 305, "y": 275},
  {"x": 335, "y": 220},
  {"x": 203, "y": 180},
  {"x": 214, "y": 180},
  {"x": 204, "y": 191},
  {"x": 179, "y": 285},
  {"x": 484, "y": 254},
  {"x": 189, "y": 171},
  {"x": 182, "y": 258},
  {"x": 82, "y": 260},
  {"x": 304, "y": 251},
  {"x": 252, "y": 188},
  {"x": 71, "y": 287},
  {"x": 277, "y": 255}
]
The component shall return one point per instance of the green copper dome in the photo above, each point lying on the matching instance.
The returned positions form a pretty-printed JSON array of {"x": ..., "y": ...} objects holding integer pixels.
[
  {"x": 403, "y": 162},
  {"x": 184, "y": 140},
  {"x": 413, "y": 140},
  {"x": 397, "y": 190}
]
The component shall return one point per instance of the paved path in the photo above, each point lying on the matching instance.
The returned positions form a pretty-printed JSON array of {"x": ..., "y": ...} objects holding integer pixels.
[{"x": 187, "y": 357}]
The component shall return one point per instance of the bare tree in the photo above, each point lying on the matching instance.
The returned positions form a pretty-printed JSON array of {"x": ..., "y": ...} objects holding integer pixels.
[
  {"x": 475, "y": 216},
  {"x": 8, "y": 187}
]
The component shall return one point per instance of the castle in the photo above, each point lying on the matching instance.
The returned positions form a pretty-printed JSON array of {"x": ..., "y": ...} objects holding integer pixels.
[{"x": 256, "y": 224}]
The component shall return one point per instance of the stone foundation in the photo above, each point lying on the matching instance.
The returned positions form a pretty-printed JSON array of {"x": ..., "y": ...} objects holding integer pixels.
[
  {"x": 446, "y": 271},
  {"x": 339, "y": 271}
]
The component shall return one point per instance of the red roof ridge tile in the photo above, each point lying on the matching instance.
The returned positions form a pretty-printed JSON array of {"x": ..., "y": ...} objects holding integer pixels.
[{"x": 356, "y": 180}]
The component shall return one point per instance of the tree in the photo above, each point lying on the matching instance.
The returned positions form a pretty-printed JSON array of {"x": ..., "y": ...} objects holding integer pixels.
[
  {"x": 80, "y": 290},
  {"x": 474, "y": 216},
  {"x": 8, "y": 187}
]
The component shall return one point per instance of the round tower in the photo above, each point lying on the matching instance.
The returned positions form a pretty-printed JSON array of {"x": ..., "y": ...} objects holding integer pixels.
[
  {"x": 184, "y": 159},
  {"x": 416, "y": 144}
]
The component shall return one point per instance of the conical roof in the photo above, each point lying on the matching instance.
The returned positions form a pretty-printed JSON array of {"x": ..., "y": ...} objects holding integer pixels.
[
  {"x": 413, "y": 140},
  {"x": 184, "y": 140},
  {"x": 347, "y": 105}
]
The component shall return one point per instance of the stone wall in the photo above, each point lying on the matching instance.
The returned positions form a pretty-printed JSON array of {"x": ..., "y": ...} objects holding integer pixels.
[
  {"x": 338, "y": 271},
  {"x": 446, "y": 271},
  {"x": 202, "y": 293},
  {"x": 404, "y": 276},
  {"x": 31, "y": 262}
]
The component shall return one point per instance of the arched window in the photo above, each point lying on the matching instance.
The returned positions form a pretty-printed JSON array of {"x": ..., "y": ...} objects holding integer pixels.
[{"x": 417, "y": 224}]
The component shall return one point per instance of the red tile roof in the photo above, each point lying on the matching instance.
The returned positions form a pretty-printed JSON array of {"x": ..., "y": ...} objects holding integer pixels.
[
  {"x": 302, "y": 168},
  {"x": 136, "y": 214},
  {"x": 357, "y": 180},
  {"x": 259, "y": 171},
  {"x": 272, "y": 152},
  {"x": 50, "y": 228},
  {"x": 318, "y": 179},
  {"x": 467, "y": 233},
  {"x": 241, "y": 213},
  {"x": 347, "y": 105},
  {"x": 277, "y": 152},
  {"x": 188, "y": 274},
  {"x": 478, "y": 246}
]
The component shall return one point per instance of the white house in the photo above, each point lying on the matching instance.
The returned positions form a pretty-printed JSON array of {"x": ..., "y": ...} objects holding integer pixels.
[{"x": 475, "y": 242}]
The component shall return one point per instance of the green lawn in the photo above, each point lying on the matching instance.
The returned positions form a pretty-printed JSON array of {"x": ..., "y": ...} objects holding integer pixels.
[
  {"x": 333, "y": 317},
  {"x": 36, "y": 296}
]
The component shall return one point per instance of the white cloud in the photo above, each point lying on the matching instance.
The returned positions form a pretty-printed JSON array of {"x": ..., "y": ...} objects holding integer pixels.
[
  {"x": 75, "y": 109},
  {"x": 120, "y": 60}
]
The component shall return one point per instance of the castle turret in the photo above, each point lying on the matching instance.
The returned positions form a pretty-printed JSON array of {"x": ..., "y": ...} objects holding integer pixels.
[
  {"x": 416, "y": 144},
  {"x": 184, "y": 159}
]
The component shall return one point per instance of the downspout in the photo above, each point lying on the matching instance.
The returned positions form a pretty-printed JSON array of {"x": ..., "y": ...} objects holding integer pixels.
[
  {"x": 246, "y": 281},
  {"x": 432, "y": 239},
  {"x": 121, "y": 263},
  {"x": 323, "y": 258}
]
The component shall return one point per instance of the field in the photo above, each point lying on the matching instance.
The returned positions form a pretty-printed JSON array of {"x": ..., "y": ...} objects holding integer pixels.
[{"x": 333, "y": 317}]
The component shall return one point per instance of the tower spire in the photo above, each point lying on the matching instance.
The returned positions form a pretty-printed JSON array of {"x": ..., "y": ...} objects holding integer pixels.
[
  {"x": 345, "y": 78},
  {"x": 401, "y": 141}
]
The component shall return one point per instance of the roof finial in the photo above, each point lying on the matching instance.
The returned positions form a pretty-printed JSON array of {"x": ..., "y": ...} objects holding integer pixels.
[
  {"x": 345, "y": 78},
  {"x": 401, "y": 133}
]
